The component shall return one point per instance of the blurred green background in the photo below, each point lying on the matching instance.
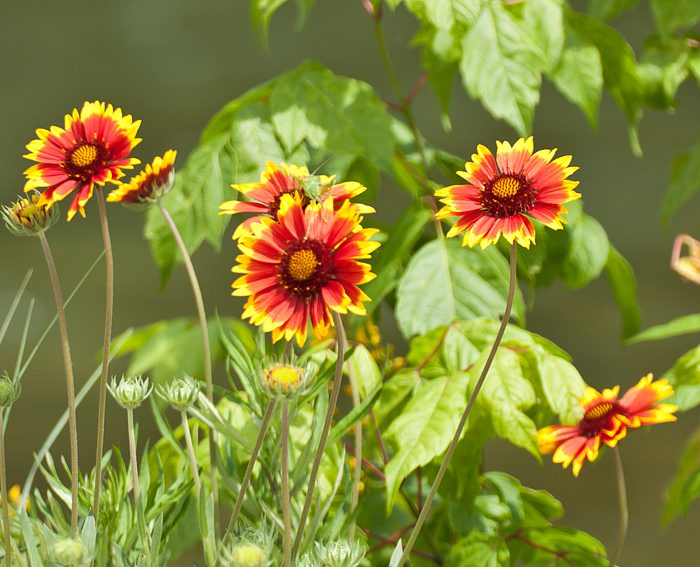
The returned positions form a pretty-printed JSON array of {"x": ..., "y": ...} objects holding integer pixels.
[{"x": 174, "y": 63}]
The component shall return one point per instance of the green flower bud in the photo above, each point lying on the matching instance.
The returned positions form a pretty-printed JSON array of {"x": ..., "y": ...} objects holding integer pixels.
[
  {"x": 27, "y": 217},
  {"x": 9, "y": 391},
  {"x": 180, "y": 393},
  {"x": 247, "y": 555},
  {"x": 339, "y": 554},
  {"x": 130, "y": 392},
  {"x": 68, "y": 552},
  {"x": 283, "y": 379}
]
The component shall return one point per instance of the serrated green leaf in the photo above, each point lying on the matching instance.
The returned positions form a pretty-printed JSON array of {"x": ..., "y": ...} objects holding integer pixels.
[
  {"x": 680, "y": 326},
  {"x": 445, "y": 282},
  {"x": 562, "y": 385},
  {"x": 684, "y": 376},
  {"x": 424, "y": 428},
  {"x": 676, "y": 14},
  {"x": 624, "y": 287},
  {"x": 579, "y": 75},
  {"x": 685, "y": 181},
  {"x": 664, "y": 66},
  {"x": 685, "y": 484},
  {"x": 479, "y": 550},
  {"x": 501, "y": 66},
  {"x": 588, "y": 253},
  {"x": 544, "y": 20},
  {"x": 506, "y": 393}
]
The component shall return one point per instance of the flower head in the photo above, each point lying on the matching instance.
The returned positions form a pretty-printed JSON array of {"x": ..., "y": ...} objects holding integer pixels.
[
  {"x": 149, "y": 185},
  {"x": 501, "y": 194},
  {"x": 9, "y": 390},
  {"x": 264, "y": 196},
  {"x": 606, "y": 420},
  {"x": 180, "y": 393},
  {"x": 28, "y": 217},
  {"x": 283, "y": 379},
  {"x": 250, "y": 548},
  {"x": 303, "y": 266},
  {"x": 68, "y": 552},
  {"x": 93, "y": 147},
  {"x": 130, "y": 392},
  {"x": 340, "y": 553}
]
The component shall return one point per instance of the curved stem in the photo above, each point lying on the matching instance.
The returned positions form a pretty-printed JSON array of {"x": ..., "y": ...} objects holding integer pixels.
[
  {"x": 341, "y": 341},
  {"x": 70, "y": 382},
  {"x": 190, "y": 453},
  {"x": 624, "y": 512},
  {"x": 251, "y": 464},
  {"x": 109, "y": 311},
  {"x": 204, "y": 328},
  {"x": 286, "y": 510},
  {"x": 5, "y": 504},
  {"x": 463, "y": 421}
]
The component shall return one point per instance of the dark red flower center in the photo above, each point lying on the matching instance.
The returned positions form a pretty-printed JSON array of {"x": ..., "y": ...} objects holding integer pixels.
[
  {"x": 598, "y": 410},
  {"x": 305, "y": 268},
  {"x": 598, "y": 417},
  {"x": 84, "y": 159},
  {"x": 508, "y": 194}
]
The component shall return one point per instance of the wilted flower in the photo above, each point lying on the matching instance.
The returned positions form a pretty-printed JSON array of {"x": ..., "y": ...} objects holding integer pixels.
[
  {"x": 502, "y": 192},
  {"x": 606, "y": 420},
  {"x": 130, "y": 392},
  {"x": 687, "y": 266},
  {"x": 303, "y": 266},
  {"x": 149, "y": 185},
  {"x": 181, "y": 393},
  {"x": 92, "y": 148},
  {"x": 28, "y": 217}
]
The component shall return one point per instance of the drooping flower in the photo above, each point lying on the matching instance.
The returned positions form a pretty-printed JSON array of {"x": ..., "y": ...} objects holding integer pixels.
[
  {"x": 606, "y": 420},
  {"x": 264, "y": 196},
  {"x": 687, "y": 266},
  {"x": 302, "y": 266},
  {"x": 92, "y": 148},
  {"x": 503, "y": 193},
  {"x": 149, "y": 185}
]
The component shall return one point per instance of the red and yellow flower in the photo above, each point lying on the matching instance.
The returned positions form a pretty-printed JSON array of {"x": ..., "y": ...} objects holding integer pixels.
[
  {"x": 606, "y": 420},
  {"x": 264, "y": 196},
  {"x": 93, "y": 147},
  {"x": 503, "y": 193},
  {"x": 149, "y": 185},
  {"x": 303, "y": 266}
]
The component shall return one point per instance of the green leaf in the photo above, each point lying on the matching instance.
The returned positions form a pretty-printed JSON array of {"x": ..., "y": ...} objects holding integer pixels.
[
  {"x": 262, "y": 11},
  {"x": 685, "y": 485},
  {"x": 588, "y": 253},
  {"x": 685, "y": 181},
  {"x": 609, "y": 9},
  {"x": 423, "y": 430},
  {"x": 671, "y": 16},
  {"x": 501, "y": 66},
  {"x": 664, "y": 66},
  {"x": 619, "y": 67},
  {"x": 558, "y": 547},
  {"x": 478, "y": 550},
  {"x": 579, "y": 75},
  {"x": 505, "y": 394},
  {"x": 364, "y": 369},
  {"x": 445, "y": 282},
  {"x": 624, "y": 287},
  {"x": 544, "y": 20},
  {"x": 562, "y": 385},
  {"x": 685, "y": 379},
  {"x": 680, "y": 326},
  {"x": 333, "y": 113}
]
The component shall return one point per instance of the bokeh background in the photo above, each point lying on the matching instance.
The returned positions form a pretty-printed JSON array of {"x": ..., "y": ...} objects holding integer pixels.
[{"x": 174, "y": 63}]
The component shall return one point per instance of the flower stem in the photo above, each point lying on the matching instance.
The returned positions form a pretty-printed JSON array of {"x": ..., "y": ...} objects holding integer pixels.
[
  {"x": 357, "y": 476},
  {"x": 204, "y": 328},
  {"x": 286, "y": 510},
  {"x": 341, "y": 341},
  {"x": 109, "y": 312},
  {"x": 624, "y": 512},
  {"x": 463, "y": 421},
  {"x": 251, "y": 464},
  {"x": 70, "y": 382},
  {"x": 190, "y": 453},
  {"x": 132, "y": 454},
  {"x": 5, "y": 503}
]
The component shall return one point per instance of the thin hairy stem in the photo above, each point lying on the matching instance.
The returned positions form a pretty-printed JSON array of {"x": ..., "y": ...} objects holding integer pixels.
[
  {"x": 251, "y": 464},
  {"x": 463, "y": 421},
  {"x": 136, "y": 483},
  {"x": 5, "y": 504},
  {"x": 357, "y": 474},
  {"x": 70, "y": 382},
  {"x": 340, "y": 342},
  {"x": 624, "y": 511},
  {"x": 286, "y": 505},
  {"x": 204, "y": 328},
  {"x": 109, "y": 312},
  {"x": 190, "y": 453}
]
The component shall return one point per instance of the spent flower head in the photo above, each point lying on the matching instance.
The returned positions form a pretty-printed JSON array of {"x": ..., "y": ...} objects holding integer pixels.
[
  {"x": 27, "y": 216},
  {"x": 131, "y": 391},
  {"x": 181, "y": 393},
  {"x": 9, "y": 390}
]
